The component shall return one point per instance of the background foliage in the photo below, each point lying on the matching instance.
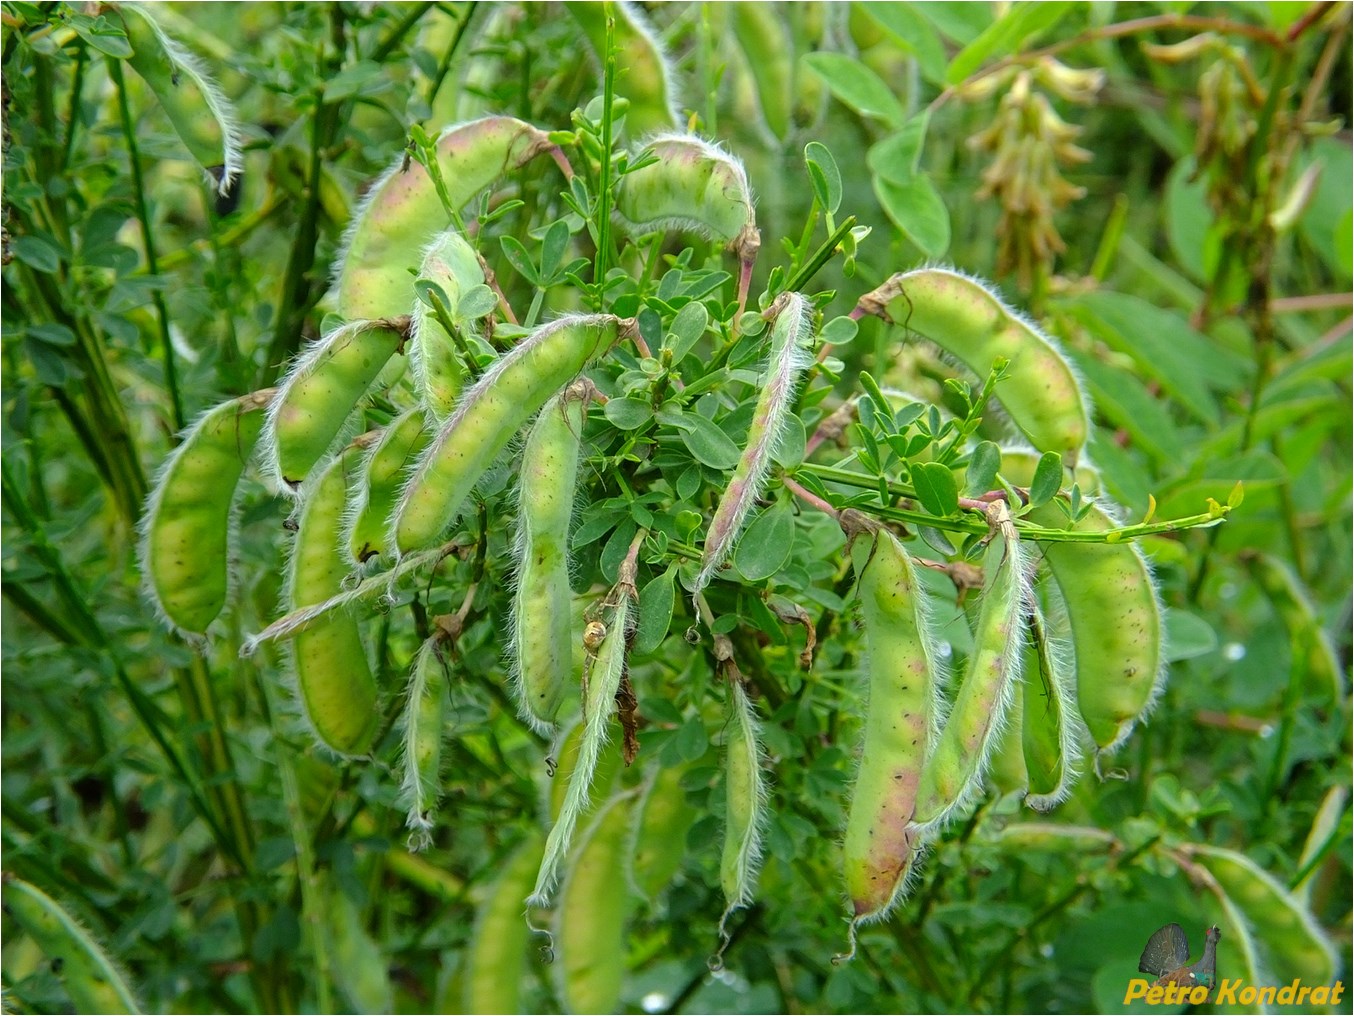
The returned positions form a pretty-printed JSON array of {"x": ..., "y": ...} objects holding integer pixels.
[{"x": 1192, "y": 251}]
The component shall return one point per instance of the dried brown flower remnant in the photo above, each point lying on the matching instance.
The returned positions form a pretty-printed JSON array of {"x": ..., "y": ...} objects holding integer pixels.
[{"x": 1030, "y": 143}]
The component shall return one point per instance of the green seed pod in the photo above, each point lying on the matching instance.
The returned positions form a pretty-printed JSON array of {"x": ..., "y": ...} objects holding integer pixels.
[
  {"x": 1314, "y": 659},
  {"x": 1048, "y": 730},
  {"x": 361, "y": 970},
  {"x": 967, "y": 320},
  {"x": 200, "y": 114},
  {"x": 439, "y": 375},
  {"x": 424, "y": 723},
  {"x": 1059, "y": 839},
  {"x": 90, "y": 977},
  {"x": 694, "y": 185},
  {"x": 542, "y": 636},
  {"x": 599, "y": 702},
  {"x": 764, "y": 38},
  {"x": 900, "y": 724},
  {"x": 489, "y": 415},
  {"x": 662, "y": 821},
  {"x": 496, "y": 959},
  {"x": 402, "y": 212},
  {"x": 954, "y": 770},
  {"x": 786, "y": 362},
  {"x": 1007, "y": 772},
  {"x": 377, "y": 491},
  {"x": 645, "y": 76},
  {"x": 186, "y": 527},
  {"x": 334, "y": 682},
  {"x": 320, "y": 392},
  {"x": 564, "y": 756},
  {"x": 1291, "y": 944},
  {"x": 1116, "y": 624},
  {"x": 744, "y": 809},
  {"x": 593, "y": 908}
]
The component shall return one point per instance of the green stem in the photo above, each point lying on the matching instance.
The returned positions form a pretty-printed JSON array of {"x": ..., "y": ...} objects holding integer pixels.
[
  {"x": 148, "y": 242},
  {"x": 299, "y": 290},
  {"x": 965, "y": 524},
  {"x": 604, "y": 196},
  {"x": 820, "y": 257}
]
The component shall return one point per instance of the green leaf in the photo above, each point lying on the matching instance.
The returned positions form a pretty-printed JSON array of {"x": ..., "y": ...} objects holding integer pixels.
[
  {"x": 1048, "y": 477},
  {"x": 38, "y": 252},
  {"x": 816, "y": 155},
  {"x": 628, "y": 413},
  {"x": 552, "y": 248},
  {"x": 918, "y": 210},
  {"x": 982, "y": 468},
  {"x": 656, "y": 602},
  {"x": 476, "y": 302},
  {"x": 519, "y": 258},
  {"x": 897, "y": 157},
  {"x": 366, "y": 77},
  {"x": 691, "y": 740},
  {"x": 52, "y": 333},
  {"x": 936, "y": 489},
  {"x": 912, "y": 33},
  {"x": 958, "y": 20},
  {"x": 839, "y": 331},
  {"x": 103, "y": 35},
  {"x": 1121, "y": 398},
  {"x": 766, "y": 545},
  {"x": 1022, "y": 23},
  {"x": 1187, "y": 635},
  {"x": 857, "y": 86},
  {"x": 687, "y": 328},
  {"x": 710, "y": 445},
  {"x": 1186, "y": 363}
]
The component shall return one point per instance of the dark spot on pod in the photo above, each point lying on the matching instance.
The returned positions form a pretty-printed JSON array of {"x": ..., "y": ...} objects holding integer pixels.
[{"x": 57, "y": 963}]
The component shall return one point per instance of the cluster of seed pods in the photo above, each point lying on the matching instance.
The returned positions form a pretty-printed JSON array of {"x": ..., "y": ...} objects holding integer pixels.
[{"x": 1067, "y": 642}]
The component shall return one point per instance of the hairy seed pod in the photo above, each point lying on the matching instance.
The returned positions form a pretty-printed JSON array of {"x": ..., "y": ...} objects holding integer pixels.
[
  {"x": 954, "y": 770},
  {"x": 424, "y": 724},
  {"x": 185, "y": 530},
  {"x": 542, "y": 635},
  {"x": 1315, "y": 662},
  {"x": 490, "y": 414},
  {"x": 334, "y": 682},
  {"x": 1116, "y": 624},
  {"x": 377, "y": 491},
  {"x": 496, "y": 958},
  {"x": 694, "y": 185},
  {"x": 903, "y": 713},
  {"x": 967, "y": 320},
  {"x": 764, "y": 38},
  {"x": 1007, "y": 772},
  {"x": 564, "y": 758},
  {"x": 744, "y": 808},
  {"x": 662, "y": 821},
  {"x": 599, "y": 702},
  {"x": 320, "y": 392},
  {"x": 593, "y": 908},
  {"x": 403, "y": 213},
  {"x": 359, "y": 965},
  {"x": 439, "y": 376},
  {"x": 1290, "y": 943},
  {"x": 785, "y": 363},
  {"x": 91, "y": 978},
  {"x": 646, "y": 77},
  {"x": 1048, "y": 723},
  {"x": 200, "y": 114}
]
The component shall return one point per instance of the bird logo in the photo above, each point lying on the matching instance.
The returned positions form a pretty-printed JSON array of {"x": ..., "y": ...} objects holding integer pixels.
[{"x": 1167, "y": 955}]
